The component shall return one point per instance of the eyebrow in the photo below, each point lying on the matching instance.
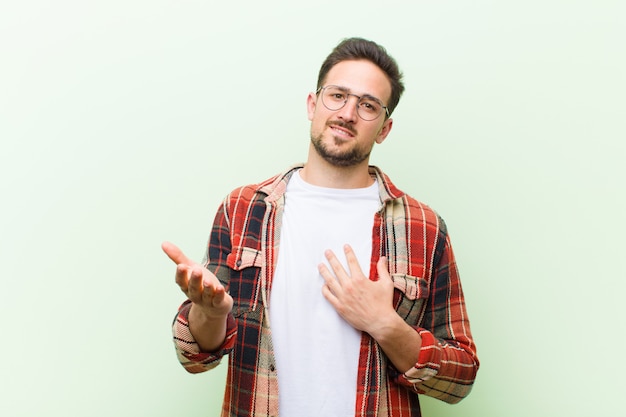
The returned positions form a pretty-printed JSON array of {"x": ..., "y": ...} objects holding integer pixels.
[{"x": 365, "y": 95}]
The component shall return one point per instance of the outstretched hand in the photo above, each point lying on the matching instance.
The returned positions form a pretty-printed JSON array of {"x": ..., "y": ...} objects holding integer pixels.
[{"x": 199, "y": 284}]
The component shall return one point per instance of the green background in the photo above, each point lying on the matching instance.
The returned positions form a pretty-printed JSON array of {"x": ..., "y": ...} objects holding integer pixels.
[{"x": 124, "y": 123}]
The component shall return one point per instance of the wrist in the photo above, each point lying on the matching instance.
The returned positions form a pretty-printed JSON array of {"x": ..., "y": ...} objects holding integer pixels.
[
  {"x": 209, "y": 331},
  {"x": 197, "y": 313},
  {"x": 386, "y": 326}
]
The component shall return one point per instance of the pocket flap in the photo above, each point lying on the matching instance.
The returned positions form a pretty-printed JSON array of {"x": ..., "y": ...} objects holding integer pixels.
[
  {"x": 243, "y": 257},
  {"x": 412, "y": 287}
]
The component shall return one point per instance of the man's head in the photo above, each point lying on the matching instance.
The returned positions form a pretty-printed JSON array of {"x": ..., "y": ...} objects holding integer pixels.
[
  {"x": 354, "y": 49},
  {"x": 359, "y": 85}
]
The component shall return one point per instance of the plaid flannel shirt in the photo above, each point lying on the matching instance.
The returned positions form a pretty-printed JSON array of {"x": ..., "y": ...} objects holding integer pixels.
[{"x": 242, "y": 253}]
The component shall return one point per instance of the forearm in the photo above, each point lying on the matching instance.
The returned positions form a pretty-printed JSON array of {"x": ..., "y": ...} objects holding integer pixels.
[
  {"x": 444, "y": 369},
  {"x": 189, "y": 352},
  {"x": 400, "y": 342}
]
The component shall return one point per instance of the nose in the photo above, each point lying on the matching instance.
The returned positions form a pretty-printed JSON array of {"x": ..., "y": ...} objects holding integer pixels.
[{"x": 348, "y": 112}]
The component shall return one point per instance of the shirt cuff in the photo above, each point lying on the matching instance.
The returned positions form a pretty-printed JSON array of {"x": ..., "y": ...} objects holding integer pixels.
[
  {"x": 188, "y": 349},
  {"x": 428, "y": 362}
]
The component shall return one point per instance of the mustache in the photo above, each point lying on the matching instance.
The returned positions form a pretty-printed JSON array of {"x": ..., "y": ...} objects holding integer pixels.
[{"x": 344, "y": 125}]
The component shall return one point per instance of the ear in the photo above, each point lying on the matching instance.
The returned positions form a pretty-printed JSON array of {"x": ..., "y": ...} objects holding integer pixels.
[
  {"x": 311, "y": 103},
  {"x": 384, "y": 131}
]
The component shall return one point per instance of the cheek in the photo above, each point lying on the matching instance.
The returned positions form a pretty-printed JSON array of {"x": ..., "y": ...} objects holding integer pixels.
[
  {"x": 317, "y": 126},
  {"x": 318, "y": 118},
  {"x": 373, "y": 132}
]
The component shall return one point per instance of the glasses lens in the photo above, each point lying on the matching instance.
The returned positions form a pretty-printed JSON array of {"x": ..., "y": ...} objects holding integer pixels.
[
  {"x": 334, "y": 98},
  {"x": 369, "y": 108}
]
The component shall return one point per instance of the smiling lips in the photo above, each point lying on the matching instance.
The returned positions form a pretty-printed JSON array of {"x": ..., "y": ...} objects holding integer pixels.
[{"x": 343, "y": 129}]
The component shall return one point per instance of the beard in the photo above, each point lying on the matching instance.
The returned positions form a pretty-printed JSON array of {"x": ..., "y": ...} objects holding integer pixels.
[{"x": 338, "y": 158}]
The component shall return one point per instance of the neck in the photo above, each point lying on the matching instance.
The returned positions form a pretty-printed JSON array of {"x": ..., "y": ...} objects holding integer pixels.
[{"x": 321, "y": 173}]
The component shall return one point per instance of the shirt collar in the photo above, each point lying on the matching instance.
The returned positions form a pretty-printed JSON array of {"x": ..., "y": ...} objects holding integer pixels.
[{"x": 276, "y": 186}]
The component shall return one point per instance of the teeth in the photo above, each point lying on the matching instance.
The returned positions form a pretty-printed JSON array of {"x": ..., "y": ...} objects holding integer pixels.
[{"x": 343, "y": 132}]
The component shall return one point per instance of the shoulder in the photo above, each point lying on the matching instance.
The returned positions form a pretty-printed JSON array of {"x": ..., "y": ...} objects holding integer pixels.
[
  {"x": 270, "y": 189},
  {"x": 417, "y": 213},
  {"x": 400, "y": 205}
]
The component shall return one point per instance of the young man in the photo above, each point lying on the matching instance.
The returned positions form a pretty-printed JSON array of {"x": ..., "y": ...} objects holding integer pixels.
[{"x": 333, "y": 292}]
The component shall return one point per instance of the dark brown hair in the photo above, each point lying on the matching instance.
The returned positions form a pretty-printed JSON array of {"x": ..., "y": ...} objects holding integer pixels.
[{"x": 353, "y": 49}]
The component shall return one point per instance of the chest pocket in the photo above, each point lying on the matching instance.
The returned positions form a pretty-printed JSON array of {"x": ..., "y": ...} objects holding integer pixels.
[
  {"x": 244, "y": 285},
  {"x": 410, "y": 296}
]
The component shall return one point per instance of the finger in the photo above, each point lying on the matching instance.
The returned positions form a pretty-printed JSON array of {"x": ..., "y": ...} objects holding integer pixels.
[
  {"x": 175, "y": 254},
  {"x": 212, "y": 286},
  {"x": 329, "y": 278},
  {"x": 340, "y": 272},
  {"x": 182, "y": 277},
  {"x": 218, "y": 295},
  {"x": 328, "y": 294},
  {"x": 196, "y": 287},
  {"x": 353, "y": 262},
  {"x": 332, "y": 289}
]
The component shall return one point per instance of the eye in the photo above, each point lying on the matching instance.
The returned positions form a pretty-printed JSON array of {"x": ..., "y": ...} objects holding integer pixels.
[
  {"x": 335, "y": 94},
  {"x": 371, "y": 106}
]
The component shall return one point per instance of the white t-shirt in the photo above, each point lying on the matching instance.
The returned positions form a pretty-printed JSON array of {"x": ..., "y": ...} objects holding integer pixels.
[{"x": 317, "y": 352}]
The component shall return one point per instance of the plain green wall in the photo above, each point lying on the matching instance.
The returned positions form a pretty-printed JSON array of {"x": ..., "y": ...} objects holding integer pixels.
[{"x": 124, "y": 123}]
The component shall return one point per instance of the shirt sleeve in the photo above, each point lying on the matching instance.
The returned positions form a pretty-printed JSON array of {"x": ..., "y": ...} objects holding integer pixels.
[
  {"x": 447, "y": 363},
  {"x": 187, "y": 349}
]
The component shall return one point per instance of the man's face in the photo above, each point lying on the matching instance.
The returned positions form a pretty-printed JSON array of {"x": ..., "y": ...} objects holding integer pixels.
[{"x": 342, "y": 137}]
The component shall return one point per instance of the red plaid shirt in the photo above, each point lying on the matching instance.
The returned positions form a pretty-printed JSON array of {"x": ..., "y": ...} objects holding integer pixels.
[{"x": 242, "y": 252}]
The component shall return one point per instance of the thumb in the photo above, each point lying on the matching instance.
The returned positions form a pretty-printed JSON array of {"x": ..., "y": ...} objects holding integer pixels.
[
  {"x": 382, "y": 266},
  {"x": 175, "y": 254}
]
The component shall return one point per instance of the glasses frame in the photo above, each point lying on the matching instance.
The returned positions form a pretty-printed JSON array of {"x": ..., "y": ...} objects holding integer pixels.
[{"x": 319, "y": 90}]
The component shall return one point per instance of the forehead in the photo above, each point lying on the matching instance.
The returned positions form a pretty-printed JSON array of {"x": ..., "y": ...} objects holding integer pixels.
[{"x": 360, "y": 77}]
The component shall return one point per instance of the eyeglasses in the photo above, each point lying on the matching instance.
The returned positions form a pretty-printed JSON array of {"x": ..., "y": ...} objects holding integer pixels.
[{"x": 367, "y": 107}]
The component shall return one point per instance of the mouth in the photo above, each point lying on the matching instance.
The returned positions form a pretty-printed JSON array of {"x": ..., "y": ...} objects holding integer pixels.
[{"x": 342, "y": 129}]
